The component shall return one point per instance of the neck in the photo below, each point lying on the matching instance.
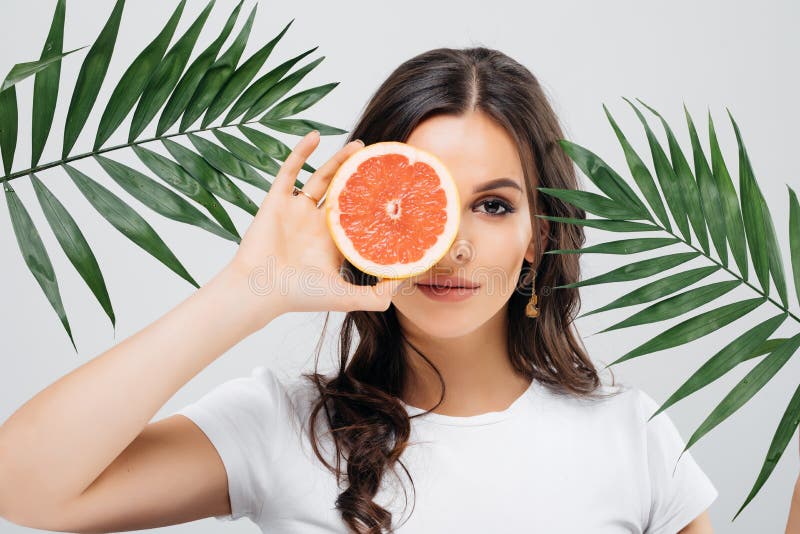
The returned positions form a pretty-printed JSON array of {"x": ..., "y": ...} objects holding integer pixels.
[{"x": 475, "y": 368}]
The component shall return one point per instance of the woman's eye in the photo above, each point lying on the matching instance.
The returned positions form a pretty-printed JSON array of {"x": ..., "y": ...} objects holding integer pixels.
[{"x": 492, "y": 206}]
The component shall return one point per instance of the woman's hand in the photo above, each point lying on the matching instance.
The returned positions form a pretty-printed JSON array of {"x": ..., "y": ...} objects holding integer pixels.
[{"x": 287, "y": 250}]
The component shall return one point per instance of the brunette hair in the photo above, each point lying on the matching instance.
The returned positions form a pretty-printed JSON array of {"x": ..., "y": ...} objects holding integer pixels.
[{"x": 369, "y": 425}]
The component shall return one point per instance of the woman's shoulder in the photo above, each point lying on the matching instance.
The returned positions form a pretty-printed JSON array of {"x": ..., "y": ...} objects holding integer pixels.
[
  {"x": 265, "y": 398},
  {"x": 284, "y": 390},
  {"x": 605, "y": 396},
  {"x": 619, "y": 402}
]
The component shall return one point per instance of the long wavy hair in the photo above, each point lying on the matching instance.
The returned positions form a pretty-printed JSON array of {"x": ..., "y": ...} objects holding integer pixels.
[{"x": 369, "y": 425}]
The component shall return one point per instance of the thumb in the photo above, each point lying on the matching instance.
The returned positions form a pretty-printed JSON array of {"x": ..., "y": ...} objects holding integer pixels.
[{"x": 380, "y": 295}]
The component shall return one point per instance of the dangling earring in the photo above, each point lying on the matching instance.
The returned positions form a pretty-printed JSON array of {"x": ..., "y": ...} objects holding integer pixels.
[{"x": 531, "y": 310}]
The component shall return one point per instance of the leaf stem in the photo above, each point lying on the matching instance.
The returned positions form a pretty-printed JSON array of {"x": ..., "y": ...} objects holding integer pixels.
[
  {"x": 70, "y": 159},
  {"x": 735, "y": 275}
]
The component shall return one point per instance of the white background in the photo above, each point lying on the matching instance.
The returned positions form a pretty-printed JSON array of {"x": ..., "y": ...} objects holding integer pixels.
[{"x": 709, "y": 55}]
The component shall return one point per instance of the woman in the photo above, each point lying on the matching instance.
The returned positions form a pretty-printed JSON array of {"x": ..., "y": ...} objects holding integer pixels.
[{"x": 488, "y": 408}]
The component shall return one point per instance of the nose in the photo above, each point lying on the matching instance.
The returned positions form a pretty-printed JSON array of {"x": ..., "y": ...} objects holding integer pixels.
[{"x": 461, "y": 252}]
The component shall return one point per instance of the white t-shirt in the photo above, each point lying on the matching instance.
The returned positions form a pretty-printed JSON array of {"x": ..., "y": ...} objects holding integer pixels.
[{"x": 548, "y": 463}]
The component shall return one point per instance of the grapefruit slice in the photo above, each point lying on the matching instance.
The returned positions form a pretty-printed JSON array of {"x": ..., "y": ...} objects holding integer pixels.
[{"x": 392, "y": 209}]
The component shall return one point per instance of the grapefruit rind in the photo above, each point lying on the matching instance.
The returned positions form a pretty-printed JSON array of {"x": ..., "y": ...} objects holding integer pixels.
[{"x": 434, "y": 253}]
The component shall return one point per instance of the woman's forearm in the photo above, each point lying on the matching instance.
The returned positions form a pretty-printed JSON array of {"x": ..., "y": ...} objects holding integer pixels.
[
  {"x": 56, "y": 444},
  {"x": 793, "y": 523}
]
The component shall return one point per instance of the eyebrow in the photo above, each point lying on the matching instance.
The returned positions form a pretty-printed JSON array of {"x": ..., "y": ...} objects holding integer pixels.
[{"x": 497, "y": 183}]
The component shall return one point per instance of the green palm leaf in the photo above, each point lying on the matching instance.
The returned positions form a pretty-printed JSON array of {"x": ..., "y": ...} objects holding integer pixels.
[
  {"x": 217, "y": 76},
  {"x": 262, "y": 85},
  {"x": 768, "y": 346},
  {"x": 176, "y": 176},
  {"x": 126, "y": 220},
  {"x": 21, "y": 71},
  {"x": 784, "y": 432},
  {"x": 301, "y": 126},
  {"x": 676, "y": 305},
  {"x": 209, "y": 177},
  {"x": 74, "y": 245},
  {"x": 658, "y": 288},
  {"x": 239, "y": 80},
  {"x": 694, "y": 328},
  {"x": 752, "y": 212},
  {"x": 9, "y": 126},
  {"x": 730, "y": 203},
  {"x": 228, "y": 164},
  {"x": 266, "y": 143},
  {"x": 187, "y": 184},
  {"x": 623, "y": 246},
  {"x": 764, "y": 248},
  {"x": 180, "y": 98},
  {"x": 794, "y": 238},
  {"x": 159, "y": 198},
  {"x": 604, "y": 177},
  {"x": 610, "y": 225},
  {"x": 276, "y": 91},
  {"x": 637, "y": 270},
  {"x": 666, "y": 177},
  {"x": 641, "y": 174},
  {"x": 130, "y": 86},
  {"x": 248, "y": 153},
  {"x": 741, "y": 349},
  {"x": 687, "y": 186},
  {"x": 739, "y": 220},
  {"x": 45, "y": 88},
  {"x": 167, "y": 75},
  {"x": 271, "y": 146},
  {"x": 709, "y": 193},
  {"x": 299, "y": 102},
  {"x": 90, "y": 78},
  {"x": 593, "y": 203},
  {"x": 35, "y": 255},
  {"x": 747, "y": 387}
]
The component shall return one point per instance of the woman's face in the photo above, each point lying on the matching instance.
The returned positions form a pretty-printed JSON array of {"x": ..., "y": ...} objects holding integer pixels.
[{"x": 495, "y": 232}]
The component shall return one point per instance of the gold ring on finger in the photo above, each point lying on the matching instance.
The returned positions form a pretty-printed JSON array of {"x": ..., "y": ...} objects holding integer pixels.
[{"x": 297, "y": 191}]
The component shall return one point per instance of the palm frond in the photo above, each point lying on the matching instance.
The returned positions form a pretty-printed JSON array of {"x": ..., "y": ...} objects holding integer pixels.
[
  {"x": 35, "y": 255},
  {"x": 45, "y": 86},
  {"x": 794, "y": 238},
  {"x": 217, "y": 75},
  {"x": 780, "y": 440},
  {"x": 20, "y": 71},
  {"x": 702, "y": 202},
  {"x": 729, "y": 203},
  {"x": 188, "y": 179},
  {"x": 90, "y": 79}
]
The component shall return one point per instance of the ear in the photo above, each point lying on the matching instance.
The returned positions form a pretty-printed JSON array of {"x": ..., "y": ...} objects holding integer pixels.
[{"x": 544, "y": 231}]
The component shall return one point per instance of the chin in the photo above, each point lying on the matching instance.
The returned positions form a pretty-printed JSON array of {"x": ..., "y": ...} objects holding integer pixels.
[{"x": 441, "y": 321}]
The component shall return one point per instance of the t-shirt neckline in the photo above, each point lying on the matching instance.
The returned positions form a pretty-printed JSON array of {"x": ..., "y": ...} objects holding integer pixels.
[{"x": 473, "y": 420}]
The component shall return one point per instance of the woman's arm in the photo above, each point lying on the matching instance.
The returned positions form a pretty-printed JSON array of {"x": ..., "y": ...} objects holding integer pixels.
[
  {"x": 56, "y": 444},
  {"x": 793, "y": 523},
  {"x": 699, "y": 525}
]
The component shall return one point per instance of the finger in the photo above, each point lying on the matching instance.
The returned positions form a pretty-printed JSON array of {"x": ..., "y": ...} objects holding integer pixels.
[
  {"x": 284, "y": 181},
  {"x": 318, "y": 183},
  {"x": 379, "y": 296}
]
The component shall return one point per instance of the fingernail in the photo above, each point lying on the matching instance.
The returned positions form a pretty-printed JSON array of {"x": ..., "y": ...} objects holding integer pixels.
[{"x": 360, "y": 141}]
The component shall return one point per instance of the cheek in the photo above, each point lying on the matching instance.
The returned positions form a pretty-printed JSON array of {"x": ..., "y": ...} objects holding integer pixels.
[
  {"x": 503, "y": 244},
  {"x": 500, "y": 253}
]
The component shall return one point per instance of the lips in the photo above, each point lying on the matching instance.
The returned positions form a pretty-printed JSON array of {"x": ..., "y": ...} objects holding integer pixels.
[{"x": 446, "y": 282}]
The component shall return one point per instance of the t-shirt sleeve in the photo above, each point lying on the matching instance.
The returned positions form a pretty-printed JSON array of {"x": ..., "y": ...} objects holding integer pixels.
[
  {"x": 676, "y": 499},
  {"x": 241, "y": 418}
]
